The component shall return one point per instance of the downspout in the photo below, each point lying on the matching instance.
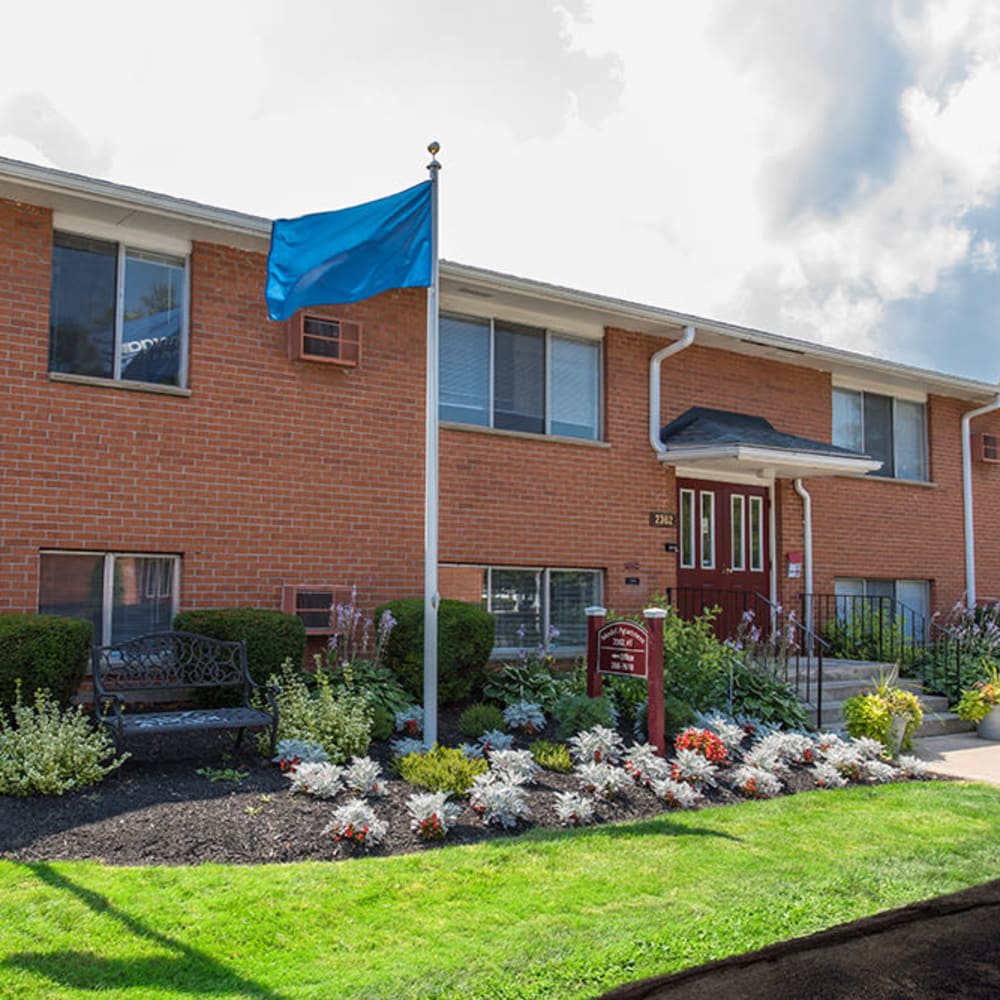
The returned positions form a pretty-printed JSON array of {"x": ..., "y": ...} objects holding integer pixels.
[
  {"x": 807, "y": 551},
  {"x": 970, "y": 539},
  {"x": 654, "y": 385}
]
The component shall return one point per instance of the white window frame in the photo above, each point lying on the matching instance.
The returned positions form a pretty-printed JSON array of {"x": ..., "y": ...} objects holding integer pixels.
[
  {"x": 549, "y": 335},
  {"x": 738, "y": 500},
  {"x": 545, "y": 616},
  {"x": 147, "y": 246},
  {"x": 691, "y": 561},
  {"x": 894, "y": 400},
  {"x": 108, "y": 581}
]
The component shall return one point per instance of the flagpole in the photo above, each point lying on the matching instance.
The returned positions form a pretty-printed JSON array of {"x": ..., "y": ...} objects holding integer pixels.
[{"x": 431, "y": 596}]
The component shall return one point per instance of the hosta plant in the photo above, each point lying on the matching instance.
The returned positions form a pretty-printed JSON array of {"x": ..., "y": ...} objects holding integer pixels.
[
  {"x": 598, "y": 744},
  {"x": 432, "y": 814},
  {"x": 322, "y": 779},
  {"x": 48, "y": 751},
  {"x": 525, "y": 716},
  {"x": 356, "y": 823},
  {"x": 574, "y": 809},
  {"x": 406, "y": 745},
  {"x": 515, "y": 766},
  {"x": 494, "y": 739}
]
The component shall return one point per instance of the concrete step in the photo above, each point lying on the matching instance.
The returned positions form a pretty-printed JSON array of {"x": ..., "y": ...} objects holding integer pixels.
[
  {"x": 841, "y": 670},
  {"x": 841, "y": 690},
  {"x": 944, "y": 724}
]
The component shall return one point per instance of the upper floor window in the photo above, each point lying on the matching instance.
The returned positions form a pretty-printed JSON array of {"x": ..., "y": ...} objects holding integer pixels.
[
  {"x": 892, "y": 431},
  {"x": 116, "y": 312},
  {"x": 519, "y": 378}
]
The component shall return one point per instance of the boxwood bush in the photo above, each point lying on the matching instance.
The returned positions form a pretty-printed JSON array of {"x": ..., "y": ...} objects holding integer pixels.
[
  {"x": 271, "y": 636},
  {"x": 465, "y": 641},
  {"x": 43, "y": 651}
]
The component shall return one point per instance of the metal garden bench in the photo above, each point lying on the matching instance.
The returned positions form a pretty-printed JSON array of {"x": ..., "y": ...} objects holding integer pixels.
[{"x": 175, "y": 661}]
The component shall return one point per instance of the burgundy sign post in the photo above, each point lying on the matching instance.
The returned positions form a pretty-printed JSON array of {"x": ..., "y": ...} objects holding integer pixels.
[
  {"x": 595, "y": 619},
  {"x": 655, "y": 715},
  {"x": 623, "y": 649}
]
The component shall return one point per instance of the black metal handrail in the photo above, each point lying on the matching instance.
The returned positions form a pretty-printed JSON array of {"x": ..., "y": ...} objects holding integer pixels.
[
  {"x": 885, "y": 630},
  {"x": 772, "y": 638}
]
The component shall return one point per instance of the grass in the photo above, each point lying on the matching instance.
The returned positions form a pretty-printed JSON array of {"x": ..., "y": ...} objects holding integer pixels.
[{"x": 553, "y": 914}]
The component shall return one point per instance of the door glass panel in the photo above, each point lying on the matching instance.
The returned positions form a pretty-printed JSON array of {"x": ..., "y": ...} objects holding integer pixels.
[
  {"x": 707, "y": 530},
  {"x": 687, "y": 529},
  {"x": 737, "y": 559},
  {"x": 756, "y": 534}
]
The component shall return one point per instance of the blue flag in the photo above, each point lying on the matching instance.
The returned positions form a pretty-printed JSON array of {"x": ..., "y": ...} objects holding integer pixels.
[{"x": 335, "y": 257}]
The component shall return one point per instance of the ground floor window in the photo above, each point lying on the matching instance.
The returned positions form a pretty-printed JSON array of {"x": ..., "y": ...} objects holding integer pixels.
[
  {"x": 905, "y": 601},
  {"x": 532, "y": 604},
  {"x": 122, "y": 594}
]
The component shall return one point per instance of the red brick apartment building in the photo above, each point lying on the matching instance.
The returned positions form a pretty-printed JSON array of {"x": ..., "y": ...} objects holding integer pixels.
[{"x": 166, "y": 446}]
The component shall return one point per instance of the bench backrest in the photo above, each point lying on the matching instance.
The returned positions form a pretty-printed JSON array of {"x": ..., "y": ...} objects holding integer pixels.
[{"x": 168, "y": 660}]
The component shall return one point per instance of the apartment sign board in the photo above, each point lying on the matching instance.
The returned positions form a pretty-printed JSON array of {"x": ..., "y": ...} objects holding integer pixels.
[{"x": 623, "y": 650}]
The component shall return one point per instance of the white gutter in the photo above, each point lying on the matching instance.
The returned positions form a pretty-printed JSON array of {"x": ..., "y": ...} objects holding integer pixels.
[
  {"x": 970, "y": 533},
  {"x": 807, "y": 548},
  {"x": 654, "y": 385}
]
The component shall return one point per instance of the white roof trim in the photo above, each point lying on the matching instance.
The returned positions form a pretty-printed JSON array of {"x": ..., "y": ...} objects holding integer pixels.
[{"x": 767, "y": 463}]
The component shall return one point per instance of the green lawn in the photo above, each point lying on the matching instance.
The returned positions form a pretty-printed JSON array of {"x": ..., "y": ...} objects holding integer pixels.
[{"x": 549, "y": 915}]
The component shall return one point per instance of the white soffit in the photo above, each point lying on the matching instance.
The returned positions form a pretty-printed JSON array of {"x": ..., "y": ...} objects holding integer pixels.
[{"x": 763, "y": 463}]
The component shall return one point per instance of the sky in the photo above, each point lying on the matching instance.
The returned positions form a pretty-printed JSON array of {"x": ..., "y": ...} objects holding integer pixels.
[{"x": 824, "y": 169}]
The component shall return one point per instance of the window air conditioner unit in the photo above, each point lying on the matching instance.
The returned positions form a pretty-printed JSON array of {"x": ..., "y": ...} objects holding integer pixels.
[
  {"x": 321, "y": 338},
  {"x": 986, "y": 447}
]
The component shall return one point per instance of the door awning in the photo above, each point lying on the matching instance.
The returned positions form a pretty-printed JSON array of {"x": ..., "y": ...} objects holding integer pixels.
[{"x": 723, "y": 442}]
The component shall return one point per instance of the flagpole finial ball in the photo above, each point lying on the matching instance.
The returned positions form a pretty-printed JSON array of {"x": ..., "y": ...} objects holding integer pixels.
[{"x": 434, "y": 148}]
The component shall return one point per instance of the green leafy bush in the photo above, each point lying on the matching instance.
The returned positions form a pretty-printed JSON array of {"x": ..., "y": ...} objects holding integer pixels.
[
  {"x": 678, "y": 715},
  {"x": 552, "y": 756},
  {"x": 377, "y": 684},
  {"x": 627, "y": 694},
  {"x": 339, "y": 720},
  {"x": 889, "y": 714},
  {"x": 762, "y": 695},
  {"x": 383, "y": 723},
  {"x": 441, "y": 769},
  {"x": 271, "y": 636},
  {"x": 576, "y": 712},
  {"x": 45, "y": 651},
  {"x": 869, "y": 631},
  {"x": 480, "y": 718},
  {"x": 531, "y": 680},
  {"x": 49, "y": 750},
  {"x": 465, "y": 641},
  {"x": 982, "y": 697},
  {"x": 694, "y": 660}
]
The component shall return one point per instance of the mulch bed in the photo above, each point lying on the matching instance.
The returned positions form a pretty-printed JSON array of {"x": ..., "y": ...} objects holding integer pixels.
[{"x": 157, "y": 809}]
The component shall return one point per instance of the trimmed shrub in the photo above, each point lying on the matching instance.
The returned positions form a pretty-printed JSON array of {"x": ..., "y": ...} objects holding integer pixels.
[
  {"x": 465, "y": 641},
  {"x": 441, "y": 769},
  {"x": 478, "y": 719},
  {"x": 271, "y": 636},
  {"x": 43, "y": 651}
]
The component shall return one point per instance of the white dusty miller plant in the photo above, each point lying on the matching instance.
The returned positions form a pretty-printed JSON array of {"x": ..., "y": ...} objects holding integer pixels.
[
  {"x": 322, "y": 780},
  {"x": 364, "y": 776},
  {"x": 498, "y": 802},
  {"x": 755, "y": 782},
  {"x": 517, "y": 767},
  {"x": 432, "y": 814},
  {"x": 355, "y": 821},
  {"x": 731, "y": 733},
  {"x": 676, "y": 794},
  {"x": 410, "y": 720},
  {"x": 574, "y": 809},
  {"x": 689, "y": 766},
  {"x": 645, "y": 765},
  {"x": 524, "y": 715},
  {"x": 601, "y": 778},
  {"x": 599, "y": 744}
]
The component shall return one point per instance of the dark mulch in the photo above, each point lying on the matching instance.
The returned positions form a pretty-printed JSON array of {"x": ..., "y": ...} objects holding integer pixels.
[{"x": 157, "y": 809}]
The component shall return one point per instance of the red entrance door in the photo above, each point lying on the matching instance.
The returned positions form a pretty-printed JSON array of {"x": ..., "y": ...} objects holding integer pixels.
[{"x": 723, "y": 552}]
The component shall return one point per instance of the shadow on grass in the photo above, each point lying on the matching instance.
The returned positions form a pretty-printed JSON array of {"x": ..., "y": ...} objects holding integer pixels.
[
  {"x": 657, "y": 826},
  {"x": 185, "y": 970}
]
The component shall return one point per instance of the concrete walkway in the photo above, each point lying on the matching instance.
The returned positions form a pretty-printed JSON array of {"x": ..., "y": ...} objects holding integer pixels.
[{"x": 961, "y": 755}]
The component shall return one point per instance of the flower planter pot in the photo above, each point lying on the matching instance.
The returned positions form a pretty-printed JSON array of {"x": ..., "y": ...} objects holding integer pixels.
[{"x": 989, "y": 728}]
